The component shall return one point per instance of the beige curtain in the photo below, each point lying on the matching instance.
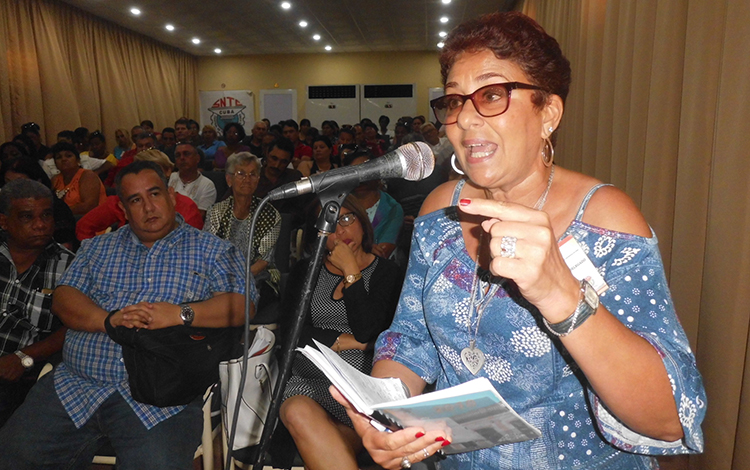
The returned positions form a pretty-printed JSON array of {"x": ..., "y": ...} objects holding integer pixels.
[
  {"x": 658, "y": 107},
  {"x": 65, "y": 68}
]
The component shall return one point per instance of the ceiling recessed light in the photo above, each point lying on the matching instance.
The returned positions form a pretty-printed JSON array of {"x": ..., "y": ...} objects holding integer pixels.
[
  {"x": 440, "y": 44},
  {"x": 328, "y": 48},
  {"x": 135, "y": 11},
  {"x": 442, "y": 34},
  {"x": 446, "y": 1},
  {"x": 169, "y": 27},
  {"x": 217, "y": 50},
  {"x": 196, "y": 41},
  {"x": 286, "y": 5},
  {"x": 317, "y": 37},
  {"x": 303, "y": 24},
  {"x": 444, "y": 19}
]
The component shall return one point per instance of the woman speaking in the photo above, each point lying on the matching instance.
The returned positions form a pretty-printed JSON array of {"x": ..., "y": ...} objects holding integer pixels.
[{"x": 600, "y": 365}]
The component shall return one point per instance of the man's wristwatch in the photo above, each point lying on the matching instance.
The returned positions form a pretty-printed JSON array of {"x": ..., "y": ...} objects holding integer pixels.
[
  {"x": 351, "y": 279},
  {"x": 26, "y": 361},
  {"x": 587, "y": 305},
  {"x": 187, "y": 314}
]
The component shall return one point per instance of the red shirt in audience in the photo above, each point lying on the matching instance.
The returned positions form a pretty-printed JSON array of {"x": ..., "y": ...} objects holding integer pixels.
[
  {"x": 96, "y": 221},
  {"x": 126, "y": 159}
]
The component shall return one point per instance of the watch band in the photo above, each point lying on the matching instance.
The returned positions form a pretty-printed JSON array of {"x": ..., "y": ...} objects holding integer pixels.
[{"x": 587, "y": 305}]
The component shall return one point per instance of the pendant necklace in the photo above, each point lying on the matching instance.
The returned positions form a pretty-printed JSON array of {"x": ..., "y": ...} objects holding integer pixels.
[{"x": 473, "y": 357}]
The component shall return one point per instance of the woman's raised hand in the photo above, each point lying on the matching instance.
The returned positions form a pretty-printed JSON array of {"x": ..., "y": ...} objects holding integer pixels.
[{"x": 523, "y": 248}]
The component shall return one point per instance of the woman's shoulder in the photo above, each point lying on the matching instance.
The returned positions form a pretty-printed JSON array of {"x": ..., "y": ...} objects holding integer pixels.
[
  {"x": 608, "y": 207},
  {"x": 439, "y": 198}
]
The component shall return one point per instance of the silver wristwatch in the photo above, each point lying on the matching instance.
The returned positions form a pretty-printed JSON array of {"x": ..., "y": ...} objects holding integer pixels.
[
  {"x": 187, "y": 314},
  {"x": 26, "y": 361},
  {"x": 587, "y": 305}
]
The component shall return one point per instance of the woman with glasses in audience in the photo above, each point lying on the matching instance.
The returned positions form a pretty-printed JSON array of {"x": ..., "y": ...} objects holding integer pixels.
[
  {"x": 353, "y": 301},
  {"x": 80, "y": 189},
  {"x": 597, "y": 361},
  {"x": 230, "y": 219},
  {"x": 322, "y": 158}
]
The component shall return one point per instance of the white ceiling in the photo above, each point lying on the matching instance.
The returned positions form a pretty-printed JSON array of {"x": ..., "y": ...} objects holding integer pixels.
[{"x": 240, "y": 27}]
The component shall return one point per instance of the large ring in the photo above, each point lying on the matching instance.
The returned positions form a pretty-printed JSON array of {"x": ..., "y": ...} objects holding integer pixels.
[
  {"x": 508, "y": 247},
  {"x": 405, "y": 463},
  {"x": 426, "y": 454}
]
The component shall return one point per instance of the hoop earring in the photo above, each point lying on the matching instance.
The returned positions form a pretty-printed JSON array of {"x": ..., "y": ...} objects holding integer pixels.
[
  {"x": 548, "y": 156},
  {"x": 455, "y": 167}
]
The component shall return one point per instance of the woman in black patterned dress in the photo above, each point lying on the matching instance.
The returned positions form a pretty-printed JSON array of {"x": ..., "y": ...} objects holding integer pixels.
[{"x": 353, "y": 301}]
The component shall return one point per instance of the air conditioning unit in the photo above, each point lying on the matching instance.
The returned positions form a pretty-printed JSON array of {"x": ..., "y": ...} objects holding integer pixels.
[
  {"x": 393, "y": 101},
  {"x": 332, "y": 102}
]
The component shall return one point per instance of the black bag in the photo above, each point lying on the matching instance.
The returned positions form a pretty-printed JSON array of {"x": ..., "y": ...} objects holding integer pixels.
[{"x": 173, "y": 366}]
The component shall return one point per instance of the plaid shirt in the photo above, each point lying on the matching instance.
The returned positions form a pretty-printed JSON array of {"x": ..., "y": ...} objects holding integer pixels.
[
  {"x": 116, "y": 270},
  {"x": 25, "y": 299}
]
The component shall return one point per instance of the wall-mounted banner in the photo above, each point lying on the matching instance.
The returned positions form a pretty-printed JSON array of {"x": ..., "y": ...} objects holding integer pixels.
[{"x": 219, "y": 108}]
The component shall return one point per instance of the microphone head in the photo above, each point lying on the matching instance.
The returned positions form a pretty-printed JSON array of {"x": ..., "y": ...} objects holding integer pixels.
[{"x": 418, "y": 160}]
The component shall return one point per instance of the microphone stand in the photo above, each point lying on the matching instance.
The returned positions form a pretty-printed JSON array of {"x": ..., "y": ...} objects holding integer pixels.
[{"x": 330, "y": 200}]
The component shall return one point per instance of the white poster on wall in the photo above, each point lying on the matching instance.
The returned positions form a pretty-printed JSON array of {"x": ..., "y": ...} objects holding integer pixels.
[{"x": 219, "y": 108}]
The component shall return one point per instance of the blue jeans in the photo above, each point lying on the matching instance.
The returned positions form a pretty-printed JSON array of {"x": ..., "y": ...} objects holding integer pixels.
[{"x": 41, "y": 435}]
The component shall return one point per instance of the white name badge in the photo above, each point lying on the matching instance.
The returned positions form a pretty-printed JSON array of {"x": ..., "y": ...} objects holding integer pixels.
[{"x": 580, "y": 264}]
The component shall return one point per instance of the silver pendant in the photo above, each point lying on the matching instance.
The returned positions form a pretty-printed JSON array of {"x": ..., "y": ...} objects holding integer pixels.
[{"x": 473, "y": 358}]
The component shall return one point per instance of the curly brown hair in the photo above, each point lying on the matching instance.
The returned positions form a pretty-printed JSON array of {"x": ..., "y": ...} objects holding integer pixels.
[{"x": 515, "y": 37}]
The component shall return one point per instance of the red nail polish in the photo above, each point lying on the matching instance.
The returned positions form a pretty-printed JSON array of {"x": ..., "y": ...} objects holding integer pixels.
[
  {"x": 419, "y": 434},
  {"x": 438, "y": 439},
  {"x": 446, "y": 443},
  {"x": 464, "y": 202}
]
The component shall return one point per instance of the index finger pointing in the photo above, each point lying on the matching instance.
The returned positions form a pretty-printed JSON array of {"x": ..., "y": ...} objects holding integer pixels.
[{"x": 501, "y": 210}]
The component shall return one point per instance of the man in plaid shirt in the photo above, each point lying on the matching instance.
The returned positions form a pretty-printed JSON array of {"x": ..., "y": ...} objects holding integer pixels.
[
  {"x": 155, "y": 272},
  {"x": 31, "y": 263}
]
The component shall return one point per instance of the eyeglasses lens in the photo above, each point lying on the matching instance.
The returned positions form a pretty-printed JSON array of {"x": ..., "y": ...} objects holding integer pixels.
[
  {"x": 489, "y": 101},
  {"x": 347, "y": 219}
]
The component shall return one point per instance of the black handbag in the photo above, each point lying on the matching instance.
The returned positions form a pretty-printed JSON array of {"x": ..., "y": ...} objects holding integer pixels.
[{"x": 173, "y": 366}]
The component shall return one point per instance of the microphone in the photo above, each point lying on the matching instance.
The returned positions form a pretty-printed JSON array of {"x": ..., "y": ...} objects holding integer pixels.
[{"x": 413, "y": 161}]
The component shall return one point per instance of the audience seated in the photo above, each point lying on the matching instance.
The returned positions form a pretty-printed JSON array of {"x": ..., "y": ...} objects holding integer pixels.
[
  {"x": 234, "y": 134},
  {"x": 441, "y": 146},
  {"x": 210, "y": 145},
  {"x": 111, "y": 215},
  {"x": 290, "y": 130},
  {"x": 168, "y": 142},
  {"x": 230, "y": 219},
  {"x": 322, "y": 152},
  {"x": 65, "y": 222},
  {"x": 255, "y": 139},
  {"x": 189, "y": 181},
  {"x": 354, "y": 300},
  {"x": 32, "y": 131},
  {"x": 98, "y": 150},
  {"x": 31, "y": 263},
  {"x": 374, "y": 145},
  {"x": 124, "y": 142},
  {"x": 143, "y": 141},
  {"x": 275, "y": 173},
  {"x": 143, "y": 275},
  {"x": 81, "y": 189},
  {"x": 385, "y": 214}
]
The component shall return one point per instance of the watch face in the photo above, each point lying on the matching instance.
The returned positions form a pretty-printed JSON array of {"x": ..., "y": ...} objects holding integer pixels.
[
  {"x": 590, "y": 296},
  {"x": 27, "y": 362}
]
